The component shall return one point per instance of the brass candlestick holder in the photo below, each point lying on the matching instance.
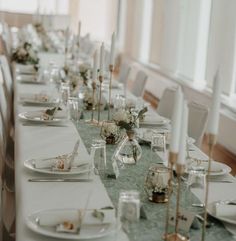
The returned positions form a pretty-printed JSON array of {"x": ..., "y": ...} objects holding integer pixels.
[
  {"x": 92, "y": 121},
  {"x": 172, "y": 160},
  {"x": 211, "y": 144},
  {"x": 176, "y": 236},
  {"x": 110, "y": 83},
  {"x": 100, "y": 98}
]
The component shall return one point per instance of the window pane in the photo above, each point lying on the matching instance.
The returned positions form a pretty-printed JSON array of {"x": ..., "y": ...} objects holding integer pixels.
[{"x": 157, "y": 31}]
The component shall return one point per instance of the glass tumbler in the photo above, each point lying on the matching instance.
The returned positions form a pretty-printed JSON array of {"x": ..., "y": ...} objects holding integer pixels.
[
  {"x": 74, "y": 110},
  {"x": 129, "y": 211},
  {"x": 196, "y": 181},
  {"x": 65, "y": 93},
  {"x": 158, "y": 144},
  {"x": 119, "y": 102},
  {"x": 98, "y": 155}
]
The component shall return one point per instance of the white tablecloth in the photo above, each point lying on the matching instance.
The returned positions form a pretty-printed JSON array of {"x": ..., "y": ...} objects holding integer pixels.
[{"x": 38, "y": 141}]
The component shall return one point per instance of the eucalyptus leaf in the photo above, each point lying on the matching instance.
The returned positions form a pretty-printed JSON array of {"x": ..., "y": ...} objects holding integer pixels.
[
  {"x": 98, "y": 214},
  {"x": 142, "y": 112},
  {"x": 50, "y": 112},
  {"x": 125, "y": 125}
]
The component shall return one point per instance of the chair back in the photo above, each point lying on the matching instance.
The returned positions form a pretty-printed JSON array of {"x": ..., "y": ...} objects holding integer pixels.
[
  {"x": 139, "y": 83},
  {"x": 124, "y": 73},
  {"x": 166, "y": 104},
  {"x": 198, "y": 115}
]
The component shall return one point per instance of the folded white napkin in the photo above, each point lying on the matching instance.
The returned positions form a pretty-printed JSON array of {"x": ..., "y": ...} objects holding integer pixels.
[
  {"x": 27, "y": 69},
  {"x": 32, "y": 114},
  {"x": 154, "y": 119},
  {"x": 48, "y": 163},
  {"x": 226, "y": 211},
  {"x": 41, "y": 97},
  {"x": 27, "y": 78},
  {"x": 55, "y": 217}
]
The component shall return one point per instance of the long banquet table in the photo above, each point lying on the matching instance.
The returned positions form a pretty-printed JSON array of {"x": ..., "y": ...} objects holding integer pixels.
[{"x": 40, "y": 141}]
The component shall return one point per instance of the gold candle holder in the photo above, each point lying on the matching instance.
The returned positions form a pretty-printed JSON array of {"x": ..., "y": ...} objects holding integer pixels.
[
  {"x": 176, "y": 236},
  {"x": 172, "y": 160},
  {"x": 211, "y": 144},
  {"x": 110, "y": 83},
  {"x": 100, "y": 98},
  {"x": 92, "y": 121}
]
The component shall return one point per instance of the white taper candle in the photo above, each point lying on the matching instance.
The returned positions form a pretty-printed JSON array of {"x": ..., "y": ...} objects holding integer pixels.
[
  {"x": 183, "y": 135},
  {"x": 101, "y": 69},
  {"x": 79, "y": 29},
  {"x": 95, "y": 65},
  {"x": 176, "y": 121},
  {"x": 112, "y": 53},
  {"x": 214, "y": 113}
]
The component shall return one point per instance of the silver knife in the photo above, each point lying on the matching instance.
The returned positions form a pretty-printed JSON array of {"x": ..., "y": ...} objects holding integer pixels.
[{"x": 59, "y": 180}]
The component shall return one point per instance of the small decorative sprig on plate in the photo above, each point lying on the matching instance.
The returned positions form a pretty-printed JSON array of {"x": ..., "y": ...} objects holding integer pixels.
[
  {"x": 49, "y": 113},
  {"x": 25, "y": 54},
  {"x": 98, "y": 214}
]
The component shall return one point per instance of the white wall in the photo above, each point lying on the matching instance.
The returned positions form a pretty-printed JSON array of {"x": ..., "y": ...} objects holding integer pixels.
[{"x": 98, "y": 18}]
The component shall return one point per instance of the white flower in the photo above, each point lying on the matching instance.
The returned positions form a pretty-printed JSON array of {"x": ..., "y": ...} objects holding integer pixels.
[
  {"x": 121, "y": 115},
  {"x": 110, "y": 128},
  {"x": 22, "y": 52}
]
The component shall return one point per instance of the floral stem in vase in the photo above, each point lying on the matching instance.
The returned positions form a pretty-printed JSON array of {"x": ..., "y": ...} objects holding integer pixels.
[
  {"x": 110, "y": 83},
  {"x": 100, "y": 97}
]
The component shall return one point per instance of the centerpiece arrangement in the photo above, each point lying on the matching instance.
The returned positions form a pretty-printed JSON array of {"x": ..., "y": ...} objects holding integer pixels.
[
  {"x": 25, "y": 54},
  {"x": 129, "y": 150}
]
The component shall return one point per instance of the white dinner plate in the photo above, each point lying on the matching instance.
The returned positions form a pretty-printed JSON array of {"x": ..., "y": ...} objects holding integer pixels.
[
  {"x": 211, "y": 208},
  {"x": 218, "y": 168},
  {"x": 86, "y": 232},
  {"x": 26, "y": 69},
  {"x": 80, "y": 169},
  {"x": 36, "y": 116},
  {"x": 30, "y": 79},
  {"x": 145, "y": 134},
  {"x": 33, "y": 99}
]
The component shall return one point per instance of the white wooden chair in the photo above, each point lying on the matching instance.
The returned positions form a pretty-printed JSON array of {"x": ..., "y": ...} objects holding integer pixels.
[
  {"x": 139, "y": 83},
  {"x": 198, "y": 115},
  {"x": 166, "y": 104},
  {"x": 124, "y": 73}
]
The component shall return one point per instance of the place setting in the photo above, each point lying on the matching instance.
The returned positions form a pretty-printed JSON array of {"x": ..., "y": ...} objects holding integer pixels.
[
  {"x": 40, "y": 99},
  {"x": 74, "y": 224},
  {"x": 55, "y": 115}
]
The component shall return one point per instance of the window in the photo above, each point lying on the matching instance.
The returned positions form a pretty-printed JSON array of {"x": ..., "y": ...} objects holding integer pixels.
[{"x": 30, "y": 6}]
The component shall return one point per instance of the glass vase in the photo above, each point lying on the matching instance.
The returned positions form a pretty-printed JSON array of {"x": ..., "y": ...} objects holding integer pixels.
[{"x": 128, "y": 151}]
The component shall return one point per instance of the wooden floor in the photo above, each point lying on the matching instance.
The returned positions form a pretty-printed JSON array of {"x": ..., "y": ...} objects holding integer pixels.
[{"x": 220, "y": 153}]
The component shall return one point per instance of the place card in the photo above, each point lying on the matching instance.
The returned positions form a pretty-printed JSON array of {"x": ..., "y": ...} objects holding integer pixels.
[
  {"x": 115, "y": 168},
  {"x": 185, "y": 219}
]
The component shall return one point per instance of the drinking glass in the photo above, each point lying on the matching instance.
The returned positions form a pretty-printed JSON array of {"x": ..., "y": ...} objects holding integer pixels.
[
  {"x": 158, "y": 144},
  {"x": 119, "y": 102},
  {"x": 98, "y": 155},
  {"x": 74, "y": 109},
  {"x": 129, "y": 211},
  {"x": 196, "y": 180},
  {"x": 65, "y": 93}
]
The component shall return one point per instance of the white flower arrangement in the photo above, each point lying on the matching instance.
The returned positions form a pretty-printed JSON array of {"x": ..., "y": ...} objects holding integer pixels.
[
  {"x": 110, "y": 132},
  {"x": 121, "y": 115},
  {"x": 25, "y": 54},
  {"x": 110, "y": 129}
]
